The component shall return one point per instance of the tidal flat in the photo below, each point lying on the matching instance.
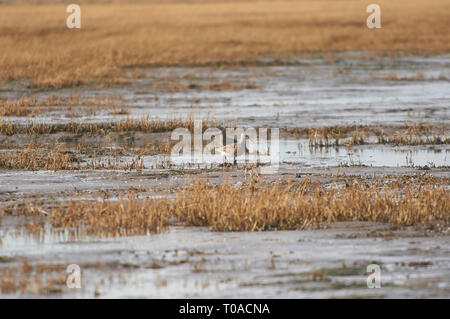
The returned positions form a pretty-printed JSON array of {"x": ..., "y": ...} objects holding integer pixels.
[{"x": 372, "y": 126}]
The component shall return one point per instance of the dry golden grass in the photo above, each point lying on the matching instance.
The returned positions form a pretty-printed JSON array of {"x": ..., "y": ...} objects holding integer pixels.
[
  {"x": 40, "y": 279},
  {"x": 19, "y": 107},
  {"x": 347, "y": 135},
  {"x": 418, "y": 77},
  {"x": 226, "y": 208},
  {"x": 30, "y": 105},
  {"x": 255, "y": 208},
  {"x": 37, "y": 45},
  {"x": 144, "y": 124},
  {"x": 408, "y": 134},
  {"x": 414, "y": 134},
  {"x": 155, "y": 148},
  {"x": 336, "y": 136},
  {"x": 132, "y": 216},
  {"x": 36, "y": 157}
]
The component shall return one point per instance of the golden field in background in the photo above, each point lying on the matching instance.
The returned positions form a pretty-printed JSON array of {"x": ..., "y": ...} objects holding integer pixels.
[{"x": 36, "y": 44}]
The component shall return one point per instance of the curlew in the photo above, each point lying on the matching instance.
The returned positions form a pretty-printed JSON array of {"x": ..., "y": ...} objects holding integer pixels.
[{"x": 229, "y": 150}]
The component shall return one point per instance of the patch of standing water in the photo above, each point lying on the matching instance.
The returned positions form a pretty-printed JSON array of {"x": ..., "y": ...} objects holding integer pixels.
[
  {"x": 298, "y": 152},
  {"x": 225, "y": 265}
]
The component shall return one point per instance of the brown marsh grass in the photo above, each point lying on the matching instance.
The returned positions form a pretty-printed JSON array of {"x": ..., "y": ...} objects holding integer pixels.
[
  {"x": 155, "y": 148},
  {"x": 36, "y": 157},
  {"x": 144, "y": 124},
  {"x": 30, "y": 105},
  {"x": 130, "y": 216},
  {"x": 341, "y": 135},
  {"x": 414, "y": 134},
  {"x": 37, "y": 279},
  {"x": 418, "y": 77},
  {"x": 256, "y": 207},
  {"x": 226, "y": 208},
  {"x": 408, "y": 134},
  {"x": 37, "y": 45},
  {"x": 176, "y": 85},
  {"x": 33, "y": 158}
]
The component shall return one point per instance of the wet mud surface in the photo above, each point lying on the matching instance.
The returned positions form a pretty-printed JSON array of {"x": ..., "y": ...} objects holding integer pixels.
[
  {"x": 195, "y": 262},
  {"x": 330, "y": 263}
]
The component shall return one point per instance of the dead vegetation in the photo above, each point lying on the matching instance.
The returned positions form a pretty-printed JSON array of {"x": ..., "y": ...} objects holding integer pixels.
[
  {"x": 36, "y": 157},
  {"x": 144, "y": 124},
  {"x": 31, "y": 105},
  {"x": 414, "y": 134},
  {"x": 125, "y": 151},
  {"x": 40, "y": 279},
  {"x": 126, "y": 217},
  {"x": 178, "y": 85},
  {"x": 226, "y": 208},
  {"x": 344, "y": 135},
  {"x": 418, "y": 77},
  {"x": 334, "y": 136},
  {"x": 256, "y": 207},
  {"x": 32, "y": 158},
  {"x": 155, "y": 148},
  {"x": 120, "y": 36}
]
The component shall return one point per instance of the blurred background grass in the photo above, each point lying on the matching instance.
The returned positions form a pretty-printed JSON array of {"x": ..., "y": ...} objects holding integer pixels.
[{"x": 37, "y": 45}]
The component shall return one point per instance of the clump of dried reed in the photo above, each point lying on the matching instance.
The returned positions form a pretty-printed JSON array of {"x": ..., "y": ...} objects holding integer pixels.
[
  {"x": 326, "y": 136},
  {"x": 131, "y": 216},
  {"x": 34, "y": 158},
  {"x": 338, "y": 135},
  {"x": 413, "y": 134}
]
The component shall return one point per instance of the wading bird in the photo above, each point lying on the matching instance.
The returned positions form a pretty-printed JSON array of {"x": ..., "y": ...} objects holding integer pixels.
[{"x": 229, "y": 150}]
